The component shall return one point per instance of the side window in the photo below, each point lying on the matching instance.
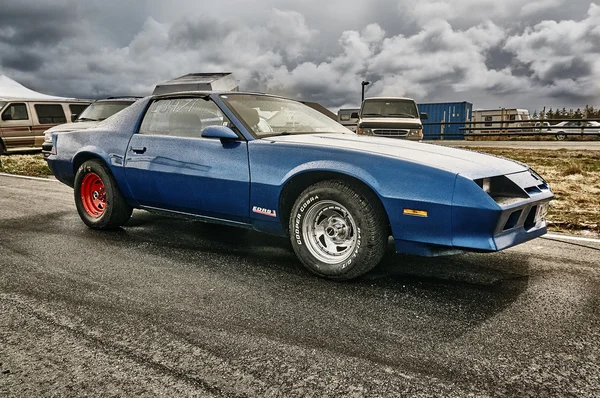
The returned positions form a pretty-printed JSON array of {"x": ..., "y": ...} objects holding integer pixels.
[
  {"x": 15, "y": 112},
  {"x": 487, "y": 119},
  {"x": 182, "y": 117},
  {"x": 50, "y": 113},
  {"x": 76, "y": 109},
  {"x": 512, "y": 117}
]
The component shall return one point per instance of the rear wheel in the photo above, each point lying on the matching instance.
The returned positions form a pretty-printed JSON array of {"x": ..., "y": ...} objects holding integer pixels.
[
  {"x": 561, "y": 136},
  {"x": 99, "y": 202},
  {"x": 338, "y": 230}
]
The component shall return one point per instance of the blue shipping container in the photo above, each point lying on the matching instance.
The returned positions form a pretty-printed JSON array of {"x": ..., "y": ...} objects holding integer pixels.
[{"x": 448, "y": 112}]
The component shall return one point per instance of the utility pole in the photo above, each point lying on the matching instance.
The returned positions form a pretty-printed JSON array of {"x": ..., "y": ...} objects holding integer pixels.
[{"x": 363, "y": 84}]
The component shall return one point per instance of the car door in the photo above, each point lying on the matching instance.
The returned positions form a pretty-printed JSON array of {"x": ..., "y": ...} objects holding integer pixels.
[
  {"x": 168, "y": 165},
  {"x": 16, "y": 126}
]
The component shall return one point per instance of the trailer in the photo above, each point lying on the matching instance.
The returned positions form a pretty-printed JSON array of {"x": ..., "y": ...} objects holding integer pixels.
[
  {"x": 348, "y": 118},
  {"x": 493, "y": 119}
]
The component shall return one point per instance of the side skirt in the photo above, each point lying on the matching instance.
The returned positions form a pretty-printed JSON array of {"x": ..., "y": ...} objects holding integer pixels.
[{"x": 190, "y": 216}]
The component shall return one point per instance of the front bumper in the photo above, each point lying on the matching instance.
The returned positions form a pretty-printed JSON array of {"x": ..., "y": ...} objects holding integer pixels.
[{"x": 477, "y": 221}]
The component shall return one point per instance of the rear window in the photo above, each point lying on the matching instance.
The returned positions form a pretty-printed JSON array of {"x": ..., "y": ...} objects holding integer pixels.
[
  {"x": 50, "y": 113},
  {"x": 76, "y": 109},
  {"x": 102, "y": 110}
]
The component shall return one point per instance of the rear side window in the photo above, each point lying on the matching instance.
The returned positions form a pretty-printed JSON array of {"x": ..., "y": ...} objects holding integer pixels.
[
  {"x": 182, "y": 117},
  {"x": 50, "y": 113},
  {"x": 488, "y": 119},
  {"x": 15, "y": 112},
  {"x": 76, "y": 109}
]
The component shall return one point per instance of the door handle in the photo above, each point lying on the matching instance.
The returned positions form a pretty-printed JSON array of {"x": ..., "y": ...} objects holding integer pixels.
[{"x": 138, "y": 150}]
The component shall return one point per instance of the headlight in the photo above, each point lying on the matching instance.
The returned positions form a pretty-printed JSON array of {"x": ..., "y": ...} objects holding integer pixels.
[
  {"x": 486, "y": 185},
  {"x": 415, "y": 133},
  {"x": 47, "y": 137},
  {"x": 364, "y": 131}
]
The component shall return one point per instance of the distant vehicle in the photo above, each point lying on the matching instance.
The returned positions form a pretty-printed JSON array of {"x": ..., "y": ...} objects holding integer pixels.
[
  {"x": 563, "y": 129},
  {"x": 90, "y": 117},
  {"x": 391, "y": 117},
  {"x": 492, "y": 118},
  {"x": 278, "y": 166},
  {"x": 24, "y": 120},
  {"x": 348, "y": 118}
]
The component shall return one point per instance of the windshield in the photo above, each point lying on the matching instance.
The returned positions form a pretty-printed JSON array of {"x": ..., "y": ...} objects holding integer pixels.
[
  {"x": 101, "y": 110},
  {"x": 389, "y": 108},
  {"x": 269, "y": 116}
]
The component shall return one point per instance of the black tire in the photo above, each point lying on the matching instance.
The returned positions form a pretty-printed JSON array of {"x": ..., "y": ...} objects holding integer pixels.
[
  {"x": 2, "y": 148},
  {"x": 116, "y": 212},
  {"x": 560, "y": 137},
  {"x": 359, "y": 208}
]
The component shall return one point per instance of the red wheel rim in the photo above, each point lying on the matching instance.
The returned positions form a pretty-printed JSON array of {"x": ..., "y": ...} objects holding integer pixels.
[{"x": 93, "y": 195}]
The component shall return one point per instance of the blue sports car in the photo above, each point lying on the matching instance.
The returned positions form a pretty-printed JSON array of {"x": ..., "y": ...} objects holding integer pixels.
[{"x": 277, "y": 166}]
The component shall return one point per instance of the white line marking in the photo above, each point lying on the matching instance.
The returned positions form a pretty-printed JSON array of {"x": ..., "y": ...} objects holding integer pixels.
[
  {"x": 577, "y": 238},
  {"x": 28, "y": 178}
]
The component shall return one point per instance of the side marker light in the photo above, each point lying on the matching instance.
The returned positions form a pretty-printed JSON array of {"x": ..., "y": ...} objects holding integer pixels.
[{"x": 412, "y": 212}]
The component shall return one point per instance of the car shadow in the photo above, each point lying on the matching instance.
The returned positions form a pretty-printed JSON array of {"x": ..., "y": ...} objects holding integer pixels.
[{"x": 478, "y": 283}]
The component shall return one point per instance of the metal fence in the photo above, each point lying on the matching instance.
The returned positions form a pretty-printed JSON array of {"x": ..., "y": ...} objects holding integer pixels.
[{"x": 510, "y": 128}]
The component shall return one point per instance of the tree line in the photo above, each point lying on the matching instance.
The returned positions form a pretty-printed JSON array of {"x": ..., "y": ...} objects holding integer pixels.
[{"x": 589, "y": 112}]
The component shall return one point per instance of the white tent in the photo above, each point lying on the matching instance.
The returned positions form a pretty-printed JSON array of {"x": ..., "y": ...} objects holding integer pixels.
[{"x": 12, "y": 89}]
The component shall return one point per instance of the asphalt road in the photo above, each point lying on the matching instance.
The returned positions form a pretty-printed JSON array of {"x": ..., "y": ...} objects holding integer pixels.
[
  {"x": 554, "y": 145},
  {"x": 177, "y": 308}
]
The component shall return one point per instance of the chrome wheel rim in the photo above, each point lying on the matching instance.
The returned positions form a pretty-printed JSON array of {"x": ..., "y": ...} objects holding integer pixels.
[{"x": 330, "y": 232}]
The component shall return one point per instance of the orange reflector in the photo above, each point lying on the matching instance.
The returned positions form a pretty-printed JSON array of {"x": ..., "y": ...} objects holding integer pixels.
[{"x": 412, "y": 212}]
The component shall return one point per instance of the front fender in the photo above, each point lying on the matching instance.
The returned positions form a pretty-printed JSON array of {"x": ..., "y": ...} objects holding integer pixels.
[{"x": 398, "y": 183}]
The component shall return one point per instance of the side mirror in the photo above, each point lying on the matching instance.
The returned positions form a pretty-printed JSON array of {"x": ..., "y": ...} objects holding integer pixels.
[
  {"x": 354, "y": 115},
  {"x": 6, "y": 116},
  {"x": 424, "y": 116},
  {"x": 73, "y": 117},
  {"x": 222, "y": 132}
]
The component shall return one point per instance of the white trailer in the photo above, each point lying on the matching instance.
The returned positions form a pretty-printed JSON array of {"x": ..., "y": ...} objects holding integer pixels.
[{"x": 492, "y": 118}]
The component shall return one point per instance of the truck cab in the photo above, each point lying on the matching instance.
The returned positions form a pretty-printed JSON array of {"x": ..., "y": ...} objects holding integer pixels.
[{"x": 392, "y": 117}]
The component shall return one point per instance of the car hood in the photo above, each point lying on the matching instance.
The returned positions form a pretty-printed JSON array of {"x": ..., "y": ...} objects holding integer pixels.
[
  {"x": 468, "y": 163},
  {"x": 73, "y": 126}
]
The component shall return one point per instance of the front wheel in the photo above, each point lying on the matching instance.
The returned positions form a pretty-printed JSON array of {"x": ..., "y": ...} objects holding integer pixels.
[
  {"x": 338, "y": 231},
  {"x": 561, "y": 137},
  {"x": 99, "y": 202}
]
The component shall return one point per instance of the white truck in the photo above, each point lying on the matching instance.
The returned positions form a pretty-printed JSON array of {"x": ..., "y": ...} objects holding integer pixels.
[{"x": 393, "y": 117}]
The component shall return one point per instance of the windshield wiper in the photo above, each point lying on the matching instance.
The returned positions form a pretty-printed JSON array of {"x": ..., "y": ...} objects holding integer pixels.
[
  {"x": 371, "y": 114},
  {"x": 86, "y": 119}
]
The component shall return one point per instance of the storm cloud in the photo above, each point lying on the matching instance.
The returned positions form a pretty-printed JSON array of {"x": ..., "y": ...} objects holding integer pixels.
[{"x": 511, "y": 53}]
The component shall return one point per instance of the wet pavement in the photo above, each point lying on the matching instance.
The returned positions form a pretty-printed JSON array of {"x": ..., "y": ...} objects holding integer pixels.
[{"x": 168, "y": 307}]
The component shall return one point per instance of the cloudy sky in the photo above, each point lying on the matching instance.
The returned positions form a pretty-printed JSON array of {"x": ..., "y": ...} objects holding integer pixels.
[{"x": 511, "y": 53}]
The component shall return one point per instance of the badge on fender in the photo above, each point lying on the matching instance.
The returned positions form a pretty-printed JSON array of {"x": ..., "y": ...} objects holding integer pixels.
[{"x": 264, "y": 212}]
